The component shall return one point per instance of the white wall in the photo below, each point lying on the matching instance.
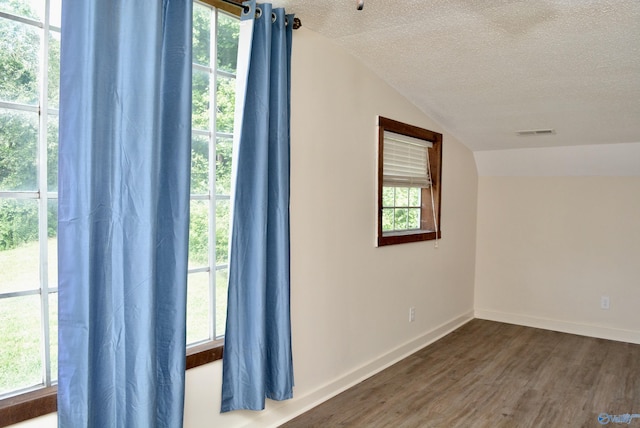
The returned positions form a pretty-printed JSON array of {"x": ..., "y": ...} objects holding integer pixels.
[
  {"x": 558, "y": 229},
  {"x": 350, "y": 300}
]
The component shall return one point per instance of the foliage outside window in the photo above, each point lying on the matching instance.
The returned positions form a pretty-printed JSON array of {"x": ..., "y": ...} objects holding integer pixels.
[
  {"x": 409, "y": 183},
  {"x": 29, "y": 86}
]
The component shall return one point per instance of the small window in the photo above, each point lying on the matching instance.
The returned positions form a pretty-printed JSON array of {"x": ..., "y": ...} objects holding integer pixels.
[{"x": 409, "y": 183}]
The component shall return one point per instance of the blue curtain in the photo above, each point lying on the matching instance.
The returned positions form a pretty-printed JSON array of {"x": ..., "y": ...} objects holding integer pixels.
[
  {"x": 257, "y": 360},
  {"x": 124, "y": 162}
]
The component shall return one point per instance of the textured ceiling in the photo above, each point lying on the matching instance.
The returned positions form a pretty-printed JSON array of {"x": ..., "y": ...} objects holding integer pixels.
[{"x": 488, "y": 68}]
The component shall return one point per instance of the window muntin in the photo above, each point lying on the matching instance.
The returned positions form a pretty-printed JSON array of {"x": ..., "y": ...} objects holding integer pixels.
[{"x": 409, "y": 183}]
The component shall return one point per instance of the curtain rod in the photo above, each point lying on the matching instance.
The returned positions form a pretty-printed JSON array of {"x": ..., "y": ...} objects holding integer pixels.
[{"x": 238, "y": 3}]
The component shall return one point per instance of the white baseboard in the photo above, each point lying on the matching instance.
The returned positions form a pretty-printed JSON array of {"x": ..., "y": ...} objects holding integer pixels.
[
  {"x": 591, "y": 330},
  {"x": 278, "y": 413}
]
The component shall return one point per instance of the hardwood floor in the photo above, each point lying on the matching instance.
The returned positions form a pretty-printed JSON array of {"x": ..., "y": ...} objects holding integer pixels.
[{"x": 489, "y": 374}]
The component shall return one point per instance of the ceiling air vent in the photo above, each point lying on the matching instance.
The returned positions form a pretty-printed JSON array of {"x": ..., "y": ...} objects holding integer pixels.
[{"x": 536, "y": 132}]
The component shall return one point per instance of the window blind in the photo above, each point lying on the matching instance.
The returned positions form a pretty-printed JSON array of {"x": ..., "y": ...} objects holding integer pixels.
[{"x": 405, "y": 161}]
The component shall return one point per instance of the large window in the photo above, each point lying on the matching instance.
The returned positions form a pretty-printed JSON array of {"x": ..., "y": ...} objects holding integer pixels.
[
  {"x": 29, "y": 82},
  {"x": 29, "y": 77},
  {"x": 409, "y": 183},
  {"x": 215, "y": 48}
]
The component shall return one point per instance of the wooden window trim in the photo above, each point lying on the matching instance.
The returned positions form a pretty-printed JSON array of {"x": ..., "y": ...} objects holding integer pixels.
[
  {"x": 43, "y": 401},
  {"x": 435, "y": 163},
  {"x": 231, "y": 7},
  {"x": 28, "y": 406},
  {"x": 205, "y": 353}
]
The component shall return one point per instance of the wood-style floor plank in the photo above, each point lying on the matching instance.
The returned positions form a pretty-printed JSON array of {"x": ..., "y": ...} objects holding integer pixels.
[{"x": 489, "y": 374}]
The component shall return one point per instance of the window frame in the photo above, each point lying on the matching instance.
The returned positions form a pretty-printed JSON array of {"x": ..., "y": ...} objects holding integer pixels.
[
  {"x": 427, "y": 228},
  {"x": 43, "y": 400},
  {"x": 211, "y": 197},
  {"x": 19, "y": 407}
]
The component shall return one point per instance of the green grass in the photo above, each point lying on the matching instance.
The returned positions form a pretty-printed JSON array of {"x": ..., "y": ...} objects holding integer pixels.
[
  {"x": 21, "y": 339},
  {"x": 19, "y": 270},
  {"x": 198, "y": 306},
  {"x": 20, "y": 343},
  {"x": 20, "y": 325}
]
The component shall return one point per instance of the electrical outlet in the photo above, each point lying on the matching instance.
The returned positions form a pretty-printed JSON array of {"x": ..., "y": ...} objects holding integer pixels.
[
  {"x": 604, "y": 302},
  {"x": 412, "y": 314}
]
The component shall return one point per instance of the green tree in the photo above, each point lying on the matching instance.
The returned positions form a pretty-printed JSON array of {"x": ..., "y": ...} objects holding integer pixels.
[
  {"x": 18, "y": 150},
  {"x": 18, "y": 223},
  {"x": 19, "y": 56},
  {"x": 228, "y": 33}
]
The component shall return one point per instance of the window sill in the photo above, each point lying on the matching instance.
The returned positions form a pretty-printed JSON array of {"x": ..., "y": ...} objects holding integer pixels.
[
  {"x": 405, "y": 232},
  {"x": 204, "y": 354},
  {"x": 33, "y": 404},
  {"x": 392, "y": 238},
  {"x": 28, "y": 406}
]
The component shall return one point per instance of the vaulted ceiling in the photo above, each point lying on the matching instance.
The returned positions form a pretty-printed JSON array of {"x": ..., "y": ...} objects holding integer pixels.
[{"x": 486, "y": 69}]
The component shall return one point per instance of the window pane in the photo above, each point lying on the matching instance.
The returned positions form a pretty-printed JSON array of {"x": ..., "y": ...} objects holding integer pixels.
[
  {"x": 402, "y": 219},
  {"x": 18, "y": 150},
  {"x": 198, "y": 305},
  {"x": 52, "y": 242},
  {"x": 53, "y": 88},
  {"x": 20, "y": 343},
  {"x": 52, "y": 153},
  {"x": 414, "y": 196},
  {"x": 199, "y": 234},
  {"x": 53, "y": 334},
  {"x": 387, "y": 219},
  {"x": 228, "y": 31},
  {"x": 19, "y": 252},
  {"x": 388, "y": 196},
  {"x": 19, "y": 61},
  {"x": 54, "y": 12},
  {"x": 402, "y": 197},
  {"x": 223, "y": 166},
  {"x": 222, "y": 278},
  {"x": 201, "y": 34},
  {"x": 199, "y": 165},
  {"x": 225, "y": 99},
  {"x": 413, "y": 221},
  {"x": 33, "y": 9},
  {"x": 222, "y": 230},
  {"x": 200, "y": 100}
]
